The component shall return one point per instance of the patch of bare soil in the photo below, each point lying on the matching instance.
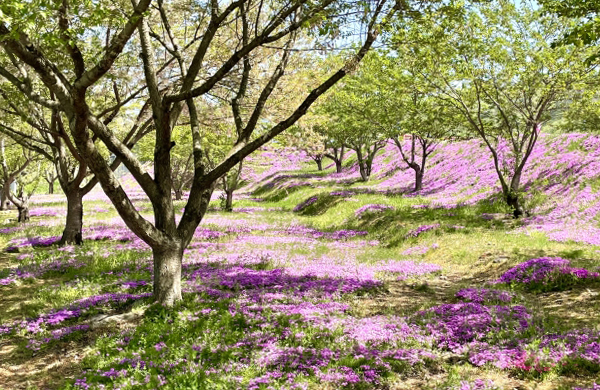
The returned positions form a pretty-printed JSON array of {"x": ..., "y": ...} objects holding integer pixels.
[
  {"x": 577, "y": 308},
  {"x": 404, "y": 297},
  {"x": 48, "y": 369},
  {"x": 22, "y": 369}
]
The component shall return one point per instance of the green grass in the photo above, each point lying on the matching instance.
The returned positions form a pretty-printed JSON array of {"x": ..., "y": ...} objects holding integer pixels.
[{"x": 470, "y": 249}]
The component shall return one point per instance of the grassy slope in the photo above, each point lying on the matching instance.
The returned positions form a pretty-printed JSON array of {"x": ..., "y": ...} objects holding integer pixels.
[{"x": 469, "y": 256}]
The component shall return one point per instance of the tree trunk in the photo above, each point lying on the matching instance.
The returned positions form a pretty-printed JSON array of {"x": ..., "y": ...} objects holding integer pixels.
[
  {"x": 178, "y": 194},
  {"x": 512, "y": 197},
  {"x": 51, "y": 187},
  {"x": 23, "y": 213},
  {"x": 319, "y": 164},
  {"x": 338, "y": 166},
  {"x": 3, "y": 200},
  {"x": 229, "y": 200},
  {"x": 369, "y": 167},
  {"x": 364, "y": 172},
  {"x": 418, "y": 179},
  {"x": 513, "y": 202},
  {"x": 72, "y": 234},
  {"x": 167, "y": 273}
]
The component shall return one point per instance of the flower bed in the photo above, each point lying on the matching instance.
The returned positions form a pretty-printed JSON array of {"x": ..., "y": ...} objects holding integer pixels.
[{"x": 546, "y": 274}]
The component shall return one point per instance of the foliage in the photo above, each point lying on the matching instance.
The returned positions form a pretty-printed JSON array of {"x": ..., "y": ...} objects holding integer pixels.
[
  {"x": 350, "y": 109},
  {"x": 587, "y": 30},
  {"x": 500, "y": 71},
  {"x": 582, "y": 113},
  {"x": 309, "y": 136}
]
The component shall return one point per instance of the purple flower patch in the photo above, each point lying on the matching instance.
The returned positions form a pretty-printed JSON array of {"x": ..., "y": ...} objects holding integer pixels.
[
  {"x": 545, "y": 274},
  {"x": 421, "y": 229},
  {"x": 305, "y": 204},
  {"x": 484, "y": 295},
  {"x": 372, "y": 208}
]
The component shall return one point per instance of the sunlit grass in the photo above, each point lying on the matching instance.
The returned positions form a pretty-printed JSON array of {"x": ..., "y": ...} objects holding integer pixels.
[{"x": 471, "y": 250}]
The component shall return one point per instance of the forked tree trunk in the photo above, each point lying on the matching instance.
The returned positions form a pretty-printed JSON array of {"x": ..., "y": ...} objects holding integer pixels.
[
  {"x": 337, "y": 156},
  {"x": 167, "y": 273},
  {"x": 229, "y": 200},
  {"x": 23, "y": 212},
  {"x": 72, "y": 234},
  {"x": 319, "y": 164}
]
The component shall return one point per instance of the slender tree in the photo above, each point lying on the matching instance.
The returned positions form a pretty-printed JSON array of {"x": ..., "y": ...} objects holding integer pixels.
[
  {"x": 50, "y": 177},
  {"x": 307, "y": 137},
  {"x": 335, "y": 151},
  {"x": 351, "y": 108}
]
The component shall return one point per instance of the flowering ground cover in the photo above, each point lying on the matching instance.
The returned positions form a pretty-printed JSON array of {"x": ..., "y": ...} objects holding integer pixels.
[{"x": 365, "y": 287}]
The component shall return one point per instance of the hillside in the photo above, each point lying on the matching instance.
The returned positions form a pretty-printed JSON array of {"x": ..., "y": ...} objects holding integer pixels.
[
  {"x": 561, "y": 181},
  {"x": 319, "y": 281}
]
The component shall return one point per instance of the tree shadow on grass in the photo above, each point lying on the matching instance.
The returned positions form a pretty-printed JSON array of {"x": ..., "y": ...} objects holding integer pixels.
[
  {"x": 278, "y": 181},
  {"x": 49, "y": 368},
  {"x": 15, "y": 300},
  {"x": 244, "y": 308},
  {"x": 15, "y": 297}
]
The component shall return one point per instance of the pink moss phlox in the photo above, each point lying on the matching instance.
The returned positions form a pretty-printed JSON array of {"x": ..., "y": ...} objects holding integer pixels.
[
  {"x": 543, "y": 270},
  {"x": 372, "y": 208},
  {"x": 302, "y": 205},
  {"x": 484, "y": 295},
  {"x": 421, "y": 229}
]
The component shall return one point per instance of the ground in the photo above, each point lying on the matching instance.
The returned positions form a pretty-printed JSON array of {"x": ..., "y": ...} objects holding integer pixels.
[{"x": 290, "y": 292}]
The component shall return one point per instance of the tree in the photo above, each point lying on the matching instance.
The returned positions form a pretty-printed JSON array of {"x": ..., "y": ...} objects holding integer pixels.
[
  {"x": 313, "y": 133},
  {"x": 42, "y": 131},
  {"x": 315, "y": 136},
  {"x": 26, "y": 185},
  {"x": 351, "y": 108},
  {"x": 308, "y": 137},
  {"x": 399, "y": 105},
  {"x": 4, "y": 202},
  {"x": 428, "y": 123},
  {"x": 50, "y": 177},
  {"x": 14, "y": 163},
  {"x": 500, "y": 71},
  {"x": 335, "y": 151},
  {"x": 71, "y": 82},
  {"x": 231, "y": 182}
]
